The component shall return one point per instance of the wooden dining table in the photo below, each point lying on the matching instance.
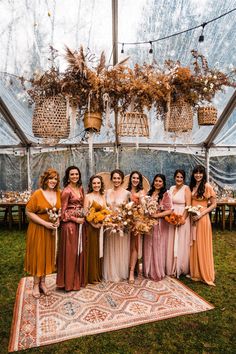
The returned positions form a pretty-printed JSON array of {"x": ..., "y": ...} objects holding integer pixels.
[
  {"x": 224, "y": 208},
  {"x": 8, "y": 209}
]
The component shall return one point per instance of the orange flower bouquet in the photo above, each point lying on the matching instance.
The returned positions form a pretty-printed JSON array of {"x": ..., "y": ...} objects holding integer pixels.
[
  {"x": 174, "y": 219},
  {"x": 97, "y": 213}
]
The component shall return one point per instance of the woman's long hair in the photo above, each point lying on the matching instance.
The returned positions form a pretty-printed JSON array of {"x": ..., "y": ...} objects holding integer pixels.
[
  {"x": 201, "y": 187},
  {"x": 90, "y": 185},
  {"x": 67, "y": 173},
  {"x": 140, "y": 184},
  {"x": 162, "y": 190}
]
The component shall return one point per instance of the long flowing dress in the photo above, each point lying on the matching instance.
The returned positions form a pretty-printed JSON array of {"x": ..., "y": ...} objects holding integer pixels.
[
  {"x": 201, "y": 251},
  {"x": 154, "y": 245},
  {"x": 116, "y": 245},
  {"x": 40, "y": 243},
  {"x": 72, "y": 254},
  {"x": 137, "y": 239},
  {"x": 94, "y": 257},
  {"x": 178, "y": 239}
]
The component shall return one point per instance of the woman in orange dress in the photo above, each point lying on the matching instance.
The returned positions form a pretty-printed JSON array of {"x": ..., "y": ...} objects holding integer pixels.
[
  {"x": 40, "y": 244},
  {"x": 135, "y": 187},
  {"x": 72, "y": 255},
  {"x": 201, "y": 251}
]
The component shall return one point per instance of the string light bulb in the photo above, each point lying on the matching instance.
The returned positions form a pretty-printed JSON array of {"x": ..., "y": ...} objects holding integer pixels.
[
  {"x": 201, "y": 37},
  {"x": 151, "y": 49},
  {"x": 122, "y": 49}
]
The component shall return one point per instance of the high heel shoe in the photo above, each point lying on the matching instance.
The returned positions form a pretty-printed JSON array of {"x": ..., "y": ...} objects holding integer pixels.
[{"x": 43, "y": 289}]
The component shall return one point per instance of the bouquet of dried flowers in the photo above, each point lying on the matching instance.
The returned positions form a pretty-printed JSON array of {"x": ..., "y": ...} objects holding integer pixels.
[
  {"x": 175, "y": 219},
  {"x": 195, "y": 210},
  {"x": 53, "y": 214}
]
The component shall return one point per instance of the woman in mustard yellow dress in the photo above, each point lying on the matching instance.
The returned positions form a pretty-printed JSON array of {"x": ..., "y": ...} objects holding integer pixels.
[
  {"x": 40, "y": 244},
  {"x": 201, "y": 251},
  {"x": 94, "y": 232}
]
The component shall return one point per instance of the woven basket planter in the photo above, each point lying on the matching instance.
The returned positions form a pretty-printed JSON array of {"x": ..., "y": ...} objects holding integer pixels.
[
  {"x": 133, "y": 124},
  {"x": 50, "y": 118},
  {"x": 93, "y": 121},
  {"x": 207, "y": 115},
  {"x": 179, "y": 118}
]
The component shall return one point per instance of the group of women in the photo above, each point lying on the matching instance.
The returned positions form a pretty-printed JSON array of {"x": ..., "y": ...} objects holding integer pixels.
[{"x": 89, "y": 252}]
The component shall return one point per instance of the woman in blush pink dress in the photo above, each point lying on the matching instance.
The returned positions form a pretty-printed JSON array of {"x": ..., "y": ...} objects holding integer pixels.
[
  {"x": 178, "y": 240},
  {"x": 135, "y": 187},
  {"x": 116, "y": 244},
  {"x": 154, "y": 248},
  {"x": 72, "y": 255}
]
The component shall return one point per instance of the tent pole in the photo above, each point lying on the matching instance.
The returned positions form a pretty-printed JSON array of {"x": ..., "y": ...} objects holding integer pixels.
[
  {"x": 114, "y": 5},
  {"x": 207, "y": 161},
  {"x": 29, "y": 184}
]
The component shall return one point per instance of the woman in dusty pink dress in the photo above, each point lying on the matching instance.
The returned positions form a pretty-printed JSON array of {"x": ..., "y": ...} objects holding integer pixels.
[
  {"x": 154, "y": 249},
  {"x": 201, "y": 251},
  {"x": 72, "y": 267},
  {"x": 135, "y": 187},
  {"x": 178, "y": 239}
]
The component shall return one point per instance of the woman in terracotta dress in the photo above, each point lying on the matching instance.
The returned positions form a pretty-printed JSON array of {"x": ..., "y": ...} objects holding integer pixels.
[
  {"x": 40, "y": 243},
  {"x": 72, "y": 255},
  {"x": 201, "y": 251},
  {"x": 135, "y": 187},
  {"x": 95, "y": 231},
  {"x": 178, "y": 240},
  {"x": 154, "y": 248},
  {"x": 116, "y": 244}
]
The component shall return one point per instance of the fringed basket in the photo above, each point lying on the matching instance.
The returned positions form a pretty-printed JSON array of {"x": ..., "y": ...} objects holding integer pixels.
[
  {"x": 93, "y": 121},
  {"x": 207, "y": 115},
  {"x": 133, "y": 124},
  {"x": 179, "y": 117},
  {"x": 50, "y": 118}
]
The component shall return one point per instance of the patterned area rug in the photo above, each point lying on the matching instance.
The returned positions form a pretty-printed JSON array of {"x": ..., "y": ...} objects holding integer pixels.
[{"x": 97, "y": 308}]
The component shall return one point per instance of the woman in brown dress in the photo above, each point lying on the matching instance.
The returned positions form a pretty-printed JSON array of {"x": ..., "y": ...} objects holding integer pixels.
[
  {"x": 72, "y": 270},
  {"x": 40, "y": 244},
  {"x": 94, "y": 231}
]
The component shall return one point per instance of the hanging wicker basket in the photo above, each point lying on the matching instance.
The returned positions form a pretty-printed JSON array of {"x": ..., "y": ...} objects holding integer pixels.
[
  {"x": 133, "y": 124},
  {"x": 207, "y": 115},
  {"x": 93, "y": 121},
  {"x": 179, "y": 117},
  {"x": 50, "y": 118}
]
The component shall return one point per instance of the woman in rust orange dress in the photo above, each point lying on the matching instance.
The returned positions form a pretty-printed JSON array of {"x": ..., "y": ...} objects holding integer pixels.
[
  {"x": 201, "y": 251},
  {"x": 40, "y": 244},
  {"x": 72, "y": 265},
  {"x": 135, "y": 187}
]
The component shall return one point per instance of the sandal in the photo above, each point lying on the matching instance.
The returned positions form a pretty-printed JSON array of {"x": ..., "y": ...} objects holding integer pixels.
[
  {"x": 36, "y": 291},
  {"x": 131, "y": 277}
]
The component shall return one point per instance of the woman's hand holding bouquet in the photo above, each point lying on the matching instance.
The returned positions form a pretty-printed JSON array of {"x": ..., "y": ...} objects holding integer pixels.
[
  {"x": 195, "y": 211},
  {"x": 175, "y": 219}
]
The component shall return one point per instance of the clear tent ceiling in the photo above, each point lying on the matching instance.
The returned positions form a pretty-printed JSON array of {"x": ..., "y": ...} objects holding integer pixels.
[{"x": 28, "y": 28}]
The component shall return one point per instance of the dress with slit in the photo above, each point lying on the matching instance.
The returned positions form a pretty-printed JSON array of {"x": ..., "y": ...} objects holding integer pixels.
[
  {"x": 72, "y": 250},
  {"x": 154, "y": 245},
  {"x": 40, "y": 241},
  {"x": 116, "y": 245},
  {"x": 178, "y": 238},
  {"x": 201, "y": 251}
]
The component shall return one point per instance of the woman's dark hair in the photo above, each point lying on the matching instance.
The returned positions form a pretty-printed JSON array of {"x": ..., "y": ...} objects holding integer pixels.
[
  {"x": 162, "y": 190},
  {"x": 120, "y": 173},
  {"x": 90, "y": 185},
  {"x": 182, "y": 172},
  {"x": 140, "y": 185},
  {"x": 67, "y": 173},
  {"x": 201, "y": 187},
  {"x": 49, "y": 173}
]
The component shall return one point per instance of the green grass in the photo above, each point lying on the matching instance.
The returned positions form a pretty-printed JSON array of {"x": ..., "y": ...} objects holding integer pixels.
[{"x": 208, "y": 332}]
